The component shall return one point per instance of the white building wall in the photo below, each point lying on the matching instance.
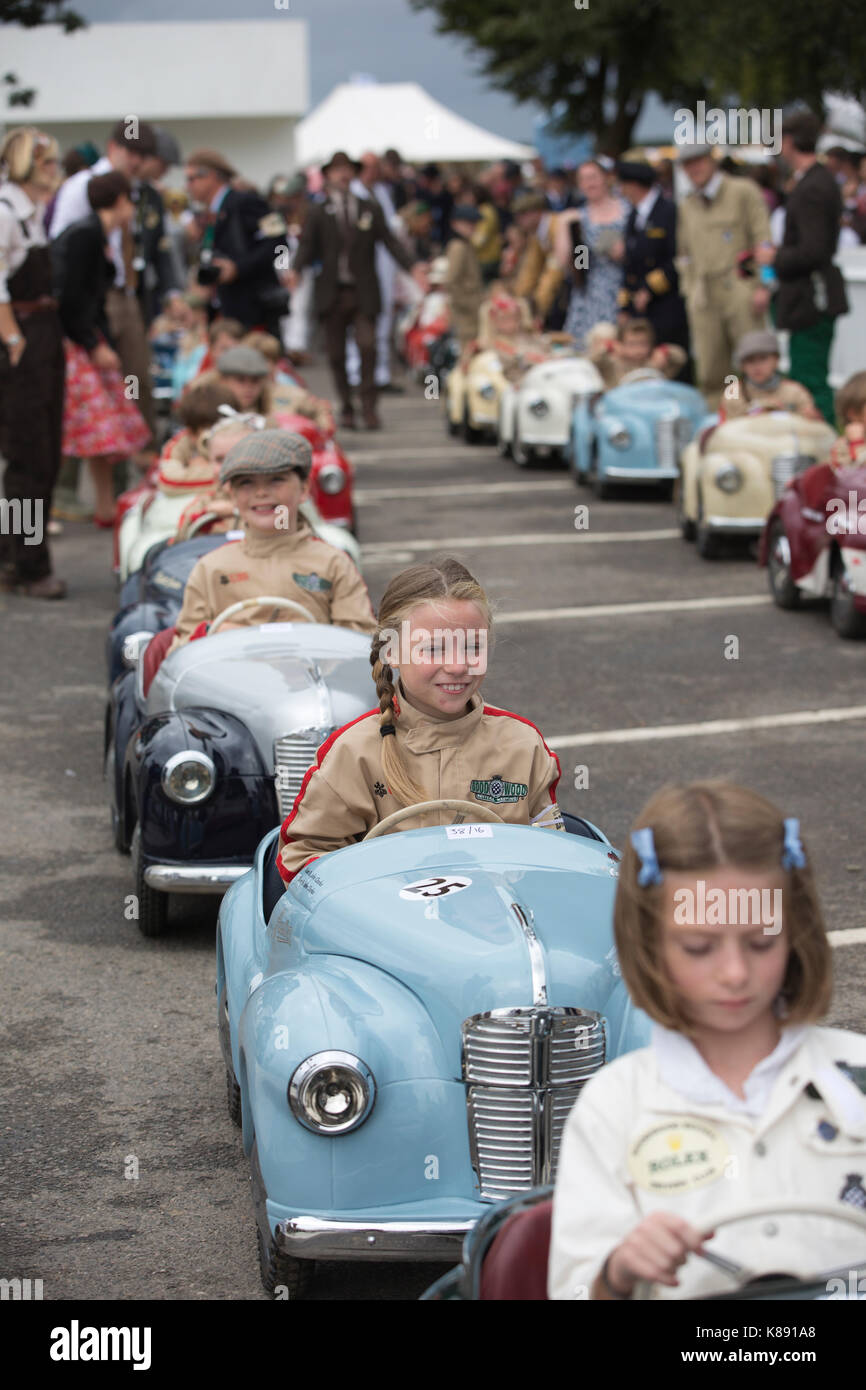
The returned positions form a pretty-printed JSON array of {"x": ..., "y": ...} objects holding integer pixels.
[{"x": 258, "y": 147}]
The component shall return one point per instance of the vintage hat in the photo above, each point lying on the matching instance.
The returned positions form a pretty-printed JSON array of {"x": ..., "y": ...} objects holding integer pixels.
[
  {"x": 529, "y": 202},
  {"x": 465, "y": 212},
  {"x": 268, "y": 451},
  {"x": 167, "y": 148},
  {"x": 212, "y": 159},
  {"x": 430, "y": 171},
  {"x": 687, "y": 152},
  {"x": 635, "y": 171},
  {"x": 340, "y": 160},
  {"x": 243, "y": 361},
  {"x": 756, "y": 344}
]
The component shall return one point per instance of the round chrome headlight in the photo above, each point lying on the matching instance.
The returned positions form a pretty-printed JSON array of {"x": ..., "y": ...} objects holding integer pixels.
[
  {"x": 133, "y": 648},
  {"x": 486, "y": 391},
  {"x": 188, "y": 778},
  {"x": 619, "y": 437},
  {"x": 539, "y": 407},
  {"x": 331, "y": 478},
  {"x": 332, "y": 1092},
  {"x": 729, "y": 478}
]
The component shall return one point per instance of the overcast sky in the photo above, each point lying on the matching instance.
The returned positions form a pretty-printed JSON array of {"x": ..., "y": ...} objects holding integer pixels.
[{"x": 381, "y": 37}]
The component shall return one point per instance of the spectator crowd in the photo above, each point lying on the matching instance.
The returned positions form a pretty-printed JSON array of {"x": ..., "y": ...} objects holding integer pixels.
[{"x": 119, "y": 289}]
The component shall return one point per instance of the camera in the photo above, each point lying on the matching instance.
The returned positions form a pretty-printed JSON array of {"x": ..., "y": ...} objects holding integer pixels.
[{"x": 208, "y": 273}]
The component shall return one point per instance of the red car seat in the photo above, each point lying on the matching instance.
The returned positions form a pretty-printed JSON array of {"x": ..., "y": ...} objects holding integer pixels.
[
  {"x": 154, "y": 654},
  {"x": 515, "y": 1266}
]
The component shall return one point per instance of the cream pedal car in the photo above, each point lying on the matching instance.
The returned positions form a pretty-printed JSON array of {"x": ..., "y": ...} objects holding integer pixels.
[
  {"x": 472, "y": 395},
  {"x": 535, "y": 415},
  {"x": 731, "y": 475}
]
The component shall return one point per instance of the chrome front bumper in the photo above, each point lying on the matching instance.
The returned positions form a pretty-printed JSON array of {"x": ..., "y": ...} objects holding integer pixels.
[
  {"x": 193, "y": 878},
  {"x": 311, "y": 1238},
  {"x": 736, "y": 525},
  {"x": 641, "y": 475}
]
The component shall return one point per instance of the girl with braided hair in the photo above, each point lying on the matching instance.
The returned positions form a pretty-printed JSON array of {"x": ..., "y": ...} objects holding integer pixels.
[{"x": 431, "y": 735}]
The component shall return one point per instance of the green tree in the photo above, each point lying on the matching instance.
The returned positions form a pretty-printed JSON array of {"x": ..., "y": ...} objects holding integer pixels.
[
  {"x": 603, "y": 60},
  {"x": 30, "y": 14}
]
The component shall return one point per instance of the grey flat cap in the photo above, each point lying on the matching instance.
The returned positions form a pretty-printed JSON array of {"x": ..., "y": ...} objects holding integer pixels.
[
  {"x": 756, "y": 344},
  {"x": 687, "y": 152},
  {"x": 243, "y": 361},
  {"x": 268, "y": 451}
]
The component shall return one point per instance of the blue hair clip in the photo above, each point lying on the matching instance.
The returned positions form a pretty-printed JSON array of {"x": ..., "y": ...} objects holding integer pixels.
[
  {"x": 793, "y": 854},
  {"x": 645, "y": 845}
]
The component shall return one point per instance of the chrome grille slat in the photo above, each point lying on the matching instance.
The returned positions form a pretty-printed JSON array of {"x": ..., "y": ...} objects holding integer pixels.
[
  {"x": 524, "y": 1069},
  {"x": 293, "y": 755}
]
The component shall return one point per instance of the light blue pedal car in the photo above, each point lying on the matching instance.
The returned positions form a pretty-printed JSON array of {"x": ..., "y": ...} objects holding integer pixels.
[
  {"x": 406, "y": 1028},
  {"x": 634, "y": 433}
]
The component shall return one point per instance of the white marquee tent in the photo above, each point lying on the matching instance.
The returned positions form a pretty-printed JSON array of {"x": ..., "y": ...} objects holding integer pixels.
[{"x": 359, "y": 116}]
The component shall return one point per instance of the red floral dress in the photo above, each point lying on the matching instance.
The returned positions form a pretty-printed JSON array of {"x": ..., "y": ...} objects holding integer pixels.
[{"x": 97, "y": 417}]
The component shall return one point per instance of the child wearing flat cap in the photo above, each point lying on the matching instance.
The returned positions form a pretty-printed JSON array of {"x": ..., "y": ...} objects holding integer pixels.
[
  {"x": 266, "y": 476},
  {"x": 760, "y": 385}
]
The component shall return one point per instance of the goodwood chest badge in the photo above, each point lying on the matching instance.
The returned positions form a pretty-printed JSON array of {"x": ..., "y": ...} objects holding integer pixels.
[{"x": 497, "y": 790}]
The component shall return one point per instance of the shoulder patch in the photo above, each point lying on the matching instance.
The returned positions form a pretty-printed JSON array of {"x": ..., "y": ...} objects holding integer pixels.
[{"x": 272, "y": 225}]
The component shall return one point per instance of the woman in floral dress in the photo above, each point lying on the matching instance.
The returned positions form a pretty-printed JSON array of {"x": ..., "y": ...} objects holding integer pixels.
[
  {"x": 100, "y": 420},
  {"x": 599, "y": 226}
]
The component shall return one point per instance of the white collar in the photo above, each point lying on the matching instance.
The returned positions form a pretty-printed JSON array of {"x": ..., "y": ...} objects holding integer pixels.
[
  {"x": 682, "y": 1067},
  {"x": 646, "y": 205},
  {"x": 711, "y": 187},
  {"x": 22, "y": 205}
]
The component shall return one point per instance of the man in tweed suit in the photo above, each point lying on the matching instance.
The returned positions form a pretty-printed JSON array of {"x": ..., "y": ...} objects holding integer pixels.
[{"x": 341, "y": 234}]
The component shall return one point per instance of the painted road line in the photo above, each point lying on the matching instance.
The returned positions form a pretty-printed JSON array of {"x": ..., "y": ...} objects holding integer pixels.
[
  {"x": 626, "y": 610},
  {"x": 854, "y": 936},
  {"x": 711, "y": 727},
  {"x": 366, "y": 496},
  {"x": 383, "y": 549},
  {"x": 408, "y": 453}
]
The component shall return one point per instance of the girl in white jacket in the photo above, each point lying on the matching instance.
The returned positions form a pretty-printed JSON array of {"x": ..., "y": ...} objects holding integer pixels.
[{"x": 740, "y": 1102}]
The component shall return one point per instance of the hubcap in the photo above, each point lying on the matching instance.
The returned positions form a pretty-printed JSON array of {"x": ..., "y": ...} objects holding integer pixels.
[{"x": 781, "y": 557}]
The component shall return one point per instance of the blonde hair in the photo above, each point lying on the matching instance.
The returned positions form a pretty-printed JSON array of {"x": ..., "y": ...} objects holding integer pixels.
[
  {"x": 439, "y": 581},
  {"x": 265, "y": 343},
  {"x": 701, "y": 826},
  {"x": 20, "y": 151},
  {"x": 851, "y": 398}
]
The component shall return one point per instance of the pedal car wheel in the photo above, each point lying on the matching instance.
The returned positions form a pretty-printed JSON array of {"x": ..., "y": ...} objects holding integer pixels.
[
  {"x": 116, "y": 824},
  {"x": 707, "y": 542},
  {"x": 847, "y": 621},
  {"x": 233, "y": 1098},
  {"x": 503, "y": 445},
  {"x": 152, "y": 906},
  {"x": 522, "y": 456},
  {"x": 470, "y": 433},
  {"x": 782, "y": 587},
  {"x": 450, "y": 427},
  {"x": 688, "y": 530},
  {"x": 600, "y": 486},
  {"x": 281, "y": 1275}
]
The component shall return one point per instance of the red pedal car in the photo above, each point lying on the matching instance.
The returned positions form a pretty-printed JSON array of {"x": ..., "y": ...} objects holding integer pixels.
[{"x": 814, "y": 544}]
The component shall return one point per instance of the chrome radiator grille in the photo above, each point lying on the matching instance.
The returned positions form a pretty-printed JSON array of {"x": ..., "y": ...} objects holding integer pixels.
[
  {"x": 785, "y": 467},
  {"x": 672, "y": 436},
  {"x": 524, "y": 1069},
  {"x": 293, "y": 754}
]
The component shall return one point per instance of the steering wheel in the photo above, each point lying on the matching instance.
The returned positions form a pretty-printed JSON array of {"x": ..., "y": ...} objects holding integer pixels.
[
  {"x": 273, "y": 599},
  {"x": 641, "y": 374},
  {"x": 446, "y": 803},
  {"x": 197, "y": 526},
  {"x": 851, "y": 1216}
]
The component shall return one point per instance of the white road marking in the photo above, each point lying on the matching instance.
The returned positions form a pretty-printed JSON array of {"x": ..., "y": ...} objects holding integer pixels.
[
  {"x": 365, "y": 496},
  {"x": 854, "y": 936},
  {"x": 409, "y": 453},
  {"x": 626, "y": 610},
  {"x": 711, "y": 727},
  {"x": 537, "y": 538}
]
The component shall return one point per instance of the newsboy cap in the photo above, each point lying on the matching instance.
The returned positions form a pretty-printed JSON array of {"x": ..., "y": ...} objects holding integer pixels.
[
  {"x": 465, "y": 212},
  {"x": 268, "y": 451},
  {"x": 530, "y": 202},
  {"x": 243, "y": 361},
  {"x": 756, "y": 344},
  {"x": 340, "y": 160},
  {"x": 635, "y": 171},
  {"x": 211, "y": 159},
  {"x": 687, "y": 152}
]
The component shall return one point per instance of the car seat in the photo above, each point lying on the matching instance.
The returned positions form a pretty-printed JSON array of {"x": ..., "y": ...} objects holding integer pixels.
[
  {"x": 515, "y": 1266},
  {"x": 154, "y": 655}
]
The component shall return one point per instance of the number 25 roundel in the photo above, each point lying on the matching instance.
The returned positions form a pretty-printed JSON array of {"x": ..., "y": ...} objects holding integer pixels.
[{"x": 434, "y": 887}]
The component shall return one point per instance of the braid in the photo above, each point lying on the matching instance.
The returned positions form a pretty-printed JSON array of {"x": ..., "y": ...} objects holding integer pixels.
[{"x": 400, "y": 784}]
